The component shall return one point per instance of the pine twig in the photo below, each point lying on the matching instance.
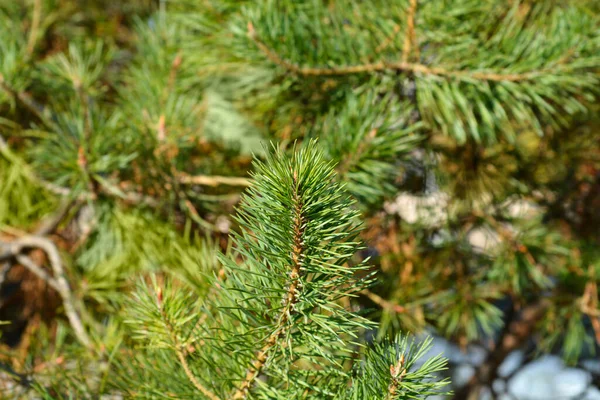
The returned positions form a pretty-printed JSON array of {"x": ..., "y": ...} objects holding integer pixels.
[
  {"x": 589, "y": 305},
  {"x": 180, "y": 352},
  {"x": 215, "y": 180},
  {"x": 191, "y": 377},
  {"x": 380, "y": 66},
  {"x": 410, "y": 38},
  {"x": 35, "y": 26},
  {"x": 383, "y": 45},
  {"x": 51, "y": 223},
  {"x": 383, "y": 303},
  {"x": 291, "y": 298}
]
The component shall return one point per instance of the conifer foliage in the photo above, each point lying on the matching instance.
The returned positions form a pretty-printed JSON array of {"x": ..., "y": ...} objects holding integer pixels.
[
  {"x": 278, "y": 328},
  {"x": 433, "y": 171}
]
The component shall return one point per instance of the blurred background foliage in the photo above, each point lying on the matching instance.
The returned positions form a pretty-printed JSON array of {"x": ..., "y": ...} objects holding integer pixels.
[{"x": 468, "y": 131}]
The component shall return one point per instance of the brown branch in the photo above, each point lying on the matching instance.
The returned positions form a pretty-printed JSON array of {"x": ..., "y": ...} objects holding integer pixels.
[
  {"x": 51, "y": 223},
  {"x": 410, "y": 37},
  {"x": 291, "y": 298},
  {"x": 383, "y": 303},
  {"x": 191, "y": 377},
  {"x": 589, "y": 305},
  {"x": 58, "y": 281},
  {"x": 380, "y": 66},
  {"x": 214, "y": 180},
  {"x": 388, "y": 40}
]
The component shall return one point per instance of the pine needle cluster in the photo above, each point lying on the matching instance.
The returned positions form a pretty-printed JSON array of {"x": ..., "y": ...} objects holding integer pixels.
[{"x": 144, "y": 254}]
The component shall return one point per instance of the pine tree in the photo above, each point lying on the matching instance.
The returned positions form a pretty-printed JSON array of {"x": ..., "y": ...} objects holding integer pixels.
[{"x": 464, "y": 133}]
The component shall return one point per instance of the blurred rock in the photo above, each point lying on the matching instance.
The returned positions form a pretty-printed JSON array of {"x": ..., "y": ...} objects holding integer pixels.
[
  {"x": 462, "y": 374},
  {"x": 547, "y": 379},
  {"x": 510, "y": 363}
]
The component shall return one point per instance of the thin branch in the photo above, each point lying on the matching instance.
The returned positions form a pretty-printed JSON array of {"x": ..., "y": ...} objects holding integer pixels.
[
  {"x": 380, "y": 66},
  {"x": 173, "y": 73},
  {"x": 50, "y": 224},
  {"x": 108, "y": 188},
  {"x": 388, "y": 40},
  {"x": 6, "y": 151},
  {"x": 589, "y": 305},
  {"x": 191, "y": 377},
  {"x": 58, "y": 281},
  {"x": 383, "y": 303},
  {"x": 35, "y": 26},
  {"x": 180, "y": 352},
  {"x": 410, "y": 38},
  {"x": 24, "y": 99},
  {"x": 111, "y": 189},
  {"x": 214, "y": 180},
  {"x": 291, "y": 298},
  {"x": 37, "y": 270}
]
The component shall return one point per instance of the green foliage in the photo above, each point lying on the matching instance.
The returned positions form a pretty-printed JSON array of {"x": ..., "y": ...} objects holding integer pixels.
[
  {"x": 516, "y": 67},
  {"x": 412, "y": 378},
  {"x": 466, "y": 133},
  {"x": 379, "y": 137},
  {"x": 126, "y": 244},
  {"x": 21, "y": 201},
  {"x": 279, "y": 315}
]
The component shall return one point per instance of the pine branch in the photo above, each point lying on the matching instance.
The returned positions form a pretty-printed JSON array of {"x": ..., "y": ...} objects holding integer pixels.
[
  {"x": 410, "y": 38},
  {"x": 291, "y": 297},
  {"x": 381, "y": 66},
  {"x": 397, "y": 372},
  {"x": 180, "y": 351},
  {"x": 383, "y": 303},
  {"x": 390, "y": 371},
  {"x": 35, "y": 26},
  {"x": 212, "y": 180}
]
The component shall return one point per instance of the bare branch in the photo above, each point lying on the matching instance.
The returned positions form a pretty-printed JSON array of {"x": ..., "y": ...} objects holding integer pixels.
[
  {"x": 383, "y": 303},
  {"x": 410, "y": 38},
  {"x": 50, "y": 224},
  {"x": 215, "y": 180},
  {"x": 37, "y": 270},
  {"x": 58, "y": 281}
]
